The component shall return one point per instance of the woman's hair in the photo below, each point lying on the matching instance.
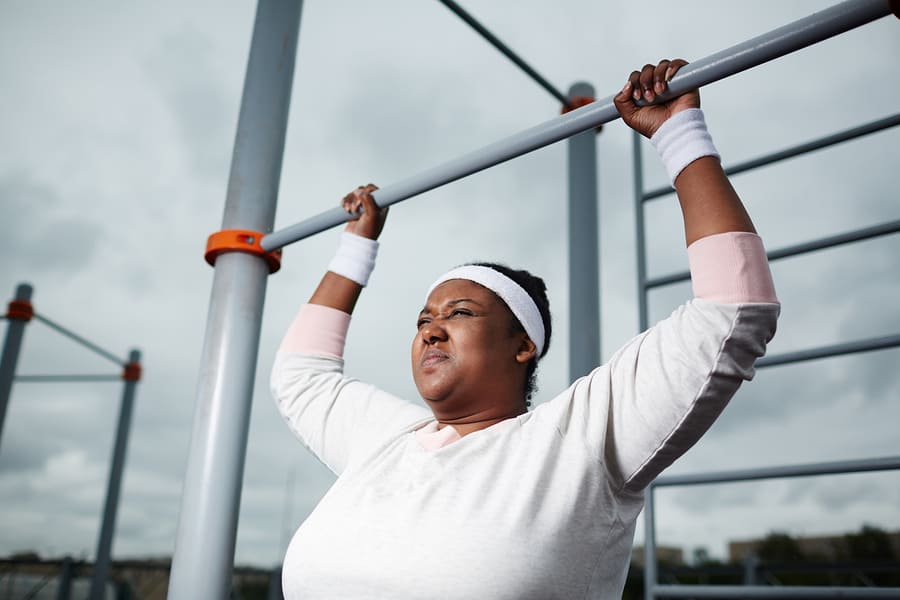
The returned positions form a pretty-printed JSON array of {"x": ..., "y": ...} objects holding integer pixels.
[{"x": 535, "y": 287}]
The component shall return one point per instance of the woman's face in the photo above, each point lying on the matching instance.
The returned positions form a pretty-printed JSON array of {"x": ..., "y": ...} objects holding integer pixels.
[{"x": 466, "y": 355}]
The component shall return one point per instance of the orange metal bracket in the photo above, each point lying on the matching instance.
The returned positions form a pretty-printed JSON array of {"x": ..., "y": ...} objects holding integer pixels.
[
  {"x": 132, "y": 372},
  {"x": 20, "y": 310},
  {"x": 240, "y": 240},
  {"x": 578, "y": 102}
]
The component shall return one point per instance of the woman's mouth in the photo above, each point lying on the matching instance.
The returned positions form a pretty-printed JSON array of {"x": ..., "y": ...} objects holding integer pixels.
[{"x": 433, "y": 357}]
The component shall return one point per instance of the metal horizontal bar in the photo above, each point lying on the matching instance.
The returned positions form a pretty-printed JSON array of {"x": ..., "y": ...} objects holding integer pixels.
[
  {"x": 74, "y": 336},
  {"x": 867, "y": 345},
  {"x": 857, "y": 235},
  {"x": 843, "y": 467},
  {"x": 758, "y": 591},
  {"x": 65, "y": 378},
  {"x": 777, "y": 568},
  {"x": 830, "y": 241},
  {"x": 756, "y": 51},
  {"x": 818, "y": 144},
  {"x": 506, "y": 50}
]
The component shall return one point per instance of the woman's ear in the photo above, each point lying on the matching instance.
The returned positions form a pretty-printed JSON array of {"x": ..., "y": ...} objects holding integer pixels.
[{"x": 526, "y": 351}]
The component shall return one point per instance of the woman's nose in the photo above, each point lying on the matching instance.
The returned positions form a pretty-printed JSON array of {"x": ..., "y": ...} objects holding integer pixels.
[{"x": 433, "y": 332}]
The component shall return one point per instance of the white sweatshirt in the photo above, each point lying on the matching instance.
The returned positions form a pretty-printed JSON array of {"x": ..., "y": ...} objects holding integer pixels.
[{"x": 541, "y": 506}]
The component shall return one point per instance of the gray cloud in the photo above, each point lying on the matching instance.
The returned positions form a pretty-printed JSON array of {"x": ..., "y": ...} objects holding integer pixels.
[
  {"x": 202, "y": 106},
  {"x": 40, "y": 232}
]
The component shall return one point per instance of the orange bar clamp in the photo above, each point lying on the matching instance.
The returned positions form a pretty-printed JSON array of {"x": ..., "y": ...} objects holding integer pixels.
[
  {"x": 20, "y": 310},
  {"x": 578, "y": 102},
  {"x": 240, "y": 240},
  {"x": 132, "y": 372}
]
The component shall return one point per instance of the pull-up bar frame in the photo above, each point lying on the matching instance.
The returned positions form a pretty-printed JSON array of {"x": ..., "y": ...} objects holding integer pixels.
[
  {"x": 754, "y": 52},
  {"x": 493, "y": 40},
  {"x": 204, "y": 548},
  {"x": 20, "y": 312}
]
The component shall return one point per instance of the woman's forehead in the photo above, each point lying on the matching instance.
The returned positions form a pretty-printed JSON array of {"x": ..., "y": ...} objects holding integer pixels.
[{"x": 456, "y": 289}]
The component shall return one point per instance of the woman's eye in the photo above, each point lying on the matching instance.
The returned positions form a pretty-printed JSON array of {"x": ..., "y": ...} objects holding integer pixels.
[{"x": 421, "y": 322}]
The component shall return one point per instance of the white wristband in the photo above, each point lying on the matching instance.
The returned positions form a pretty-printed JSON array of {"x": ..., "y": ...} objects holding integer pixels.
[
  {"x": 681, "y": 140},
  {"x": 355, "y": 258}
]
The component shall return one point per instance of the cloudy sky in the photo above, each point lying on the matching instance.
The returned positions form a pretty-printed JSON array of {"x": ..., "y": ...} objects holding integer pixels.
[{"x": 117, "y": 122}]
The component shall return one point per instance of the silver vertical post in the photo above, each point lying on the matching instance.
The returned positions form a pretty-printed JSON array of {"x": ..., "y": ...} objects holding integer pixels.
[
  {"x": 15, "y": 330},
  {"x": 640, "y": 239},
  {"x": 649, "y": 544},
  {"x": 110, "y": 508},
  {"x": 751, "y": 564},
  {"x": 274, "y": 591},
  {"x": 204, "y": 547},
  {"x": 63, "y": 589},
  {"x": 584, "y": 286}
]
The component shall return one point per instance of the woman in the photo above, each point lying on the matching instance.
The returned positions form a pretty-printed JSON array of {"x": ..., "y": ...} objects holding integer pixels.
[{"x": 478, "y": 497}]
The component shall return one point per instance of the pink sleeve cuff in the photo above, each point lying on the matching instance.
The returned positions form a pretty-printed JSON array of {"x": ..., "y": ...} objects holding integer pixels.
[
  {"x": 731, "y": 268},
  {"x": 317, "y": 330}
]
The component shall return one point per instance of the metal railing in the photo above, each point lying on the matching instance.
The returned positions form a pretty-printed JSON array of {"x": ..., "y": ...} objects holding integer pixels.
[{"x": 652, "y": 588}]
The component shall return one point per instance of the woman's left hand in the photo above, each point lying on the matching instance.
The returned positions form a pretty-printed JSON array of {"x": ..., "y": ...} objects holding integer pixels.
[{"x": 647, "y": 84}]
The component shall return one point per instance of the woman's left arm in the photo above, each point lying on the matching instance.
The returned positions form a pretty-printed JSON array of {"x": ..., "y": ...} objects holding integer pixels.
[{"x": 667, "y": 386}]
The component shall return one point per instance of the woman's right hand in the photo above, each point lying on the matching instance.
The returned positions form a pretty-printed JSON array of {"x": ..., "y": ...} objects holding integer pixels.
[{"x": 370, "y": 221}]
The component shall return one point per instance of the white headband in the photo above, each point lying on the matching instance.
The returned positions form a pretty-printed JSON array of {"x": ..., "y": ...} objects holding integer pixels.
[{"x": 516, "y": 298}]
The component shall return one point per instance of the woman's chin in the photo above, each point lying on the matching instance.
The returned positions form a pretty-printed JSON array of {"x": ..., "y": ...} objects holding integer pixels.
[{"x": 432, "y": 397}]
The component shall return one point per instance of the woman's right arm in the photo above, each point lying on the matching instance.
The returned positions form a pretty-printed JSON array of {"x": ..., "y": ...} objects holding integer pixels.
[
  {"x": 322, "y": 323},
  {"x": 331, "y": 413},
  {"x": 341, "y": 291}
]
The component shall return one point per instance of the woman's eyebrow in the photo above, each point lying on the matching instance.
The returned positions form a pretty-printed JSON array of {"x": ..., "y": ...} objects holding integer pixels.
[
  {"x": 451, "y": 303},
  {"x": 459, "y": 300},
  {"x": 454, "y": 302}
]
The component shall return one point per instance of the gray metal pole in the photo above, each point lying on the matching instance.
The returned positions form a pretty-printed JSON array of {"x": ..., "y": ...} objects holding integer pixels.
[
  {"x": 204, "y": 547},
  {"x": 751, "y": 564},
  {"x": 111, "y": 506},
  {"x": 584, "y": 262},
  {"x": 15, "y": 330},
  {"x": 865, "y": 465},
  {"x": 867, "y": 345},
  {"x": 649, "y": 544},
  {"x": 800, "y": 149},
  {"x": 640, "y": 233},
  {"x": 275, "y": 591},
  {"x": 65, "y": 378},
  {"x": 493, "y": 40},
  {"x": 761, "y": 49},
  {"x": 64, "y": 587},
  {"x": 794, "y": 592},
  {"x": 80, "y": 340},
  {"x": 857, "y": 235}
]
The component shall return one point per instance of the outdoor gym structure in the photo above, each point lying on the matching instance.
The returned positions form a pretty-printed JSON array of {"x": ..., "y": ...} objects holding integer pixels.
[
  {"x": 19, "y": 313},
  {"x": 244, "y": 253}
]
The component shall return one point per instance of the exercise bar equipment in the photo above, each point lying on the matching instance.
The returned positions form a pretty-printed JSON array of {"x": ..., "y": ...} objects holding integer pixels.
[
  {"x": 781, "y": 41},
  {"x": 204, "y": 548}
]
